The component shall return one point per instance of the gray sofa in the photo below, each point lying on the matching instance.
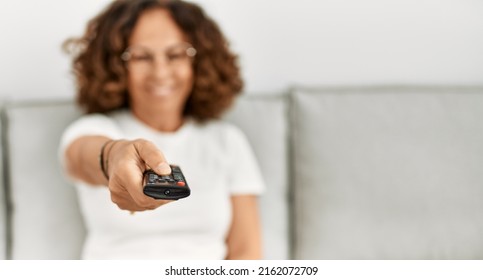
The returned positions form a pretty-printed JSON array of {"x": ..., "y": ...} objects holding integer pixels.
[{"x": 390, "y": 172}]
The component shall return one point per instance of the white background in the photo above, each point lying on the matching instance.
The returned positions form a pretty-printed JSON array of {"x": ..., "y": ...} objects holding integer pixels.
[{"x": 280, "y": 42}]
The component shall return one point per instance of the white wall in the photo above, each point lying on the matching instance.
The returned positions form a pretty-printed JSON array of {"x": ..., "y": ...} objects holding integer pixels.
[
  {"x": 32, "y": 63},
  {"x": 281, "y": 43}
]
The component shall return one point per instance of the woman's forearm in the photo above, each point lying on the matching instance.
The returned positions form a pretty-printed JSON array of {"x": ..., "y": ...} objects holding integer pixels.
[{"x": 82, "y": 159}]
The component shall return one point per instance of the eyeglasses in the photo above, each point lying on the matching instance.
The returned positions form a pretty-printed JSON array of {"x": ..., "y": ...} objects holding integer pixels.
[{"x": 142, "y": 59}]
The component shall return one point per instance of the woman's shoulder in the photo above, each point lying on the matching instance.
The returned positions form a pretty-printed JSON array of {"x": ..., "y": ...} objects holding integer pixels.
[{"x": 97, "y": 122}]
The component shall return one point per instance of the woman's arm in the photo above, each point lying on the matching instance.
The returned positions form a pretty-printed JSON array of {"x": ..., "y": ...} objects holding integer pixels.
[
  {"x": 82, "y": 159},
  {"x": 124, "y": 164},
  {"x": 244, "y": 237}
]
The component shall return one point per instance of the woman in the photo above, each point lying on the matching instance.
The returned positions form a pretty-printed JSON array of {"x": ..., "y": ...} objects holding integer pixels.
[{"x": 154, "y": 76}]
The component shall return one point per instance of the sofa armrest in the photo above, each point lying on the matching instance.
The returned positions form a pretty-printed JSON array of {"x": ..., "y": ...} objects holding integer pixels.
[
  {"x": 3, "y": 196},
  {"x": 45, "y": 222}
]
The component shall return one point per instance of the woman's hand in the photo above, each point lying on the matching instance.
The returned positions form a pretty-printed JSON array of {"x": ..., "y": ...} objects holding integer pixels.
[{"x": 126, "y": 162}]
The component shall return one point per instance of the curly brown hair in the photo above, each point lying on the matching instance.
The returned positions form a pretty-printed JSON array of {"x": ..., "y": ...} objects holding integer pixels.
[{"x": 101, "y": 75}]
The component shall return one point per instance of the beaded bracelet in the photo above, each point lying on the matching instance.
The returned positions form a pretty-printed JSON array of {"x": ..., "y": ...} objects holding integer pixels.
[{"x": 101, "y": 159}]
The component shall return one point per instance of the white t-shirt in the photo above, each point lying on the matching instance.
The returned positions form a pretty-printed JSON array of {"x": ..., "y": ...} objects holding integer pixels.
[{"x": 217, "y": 162}]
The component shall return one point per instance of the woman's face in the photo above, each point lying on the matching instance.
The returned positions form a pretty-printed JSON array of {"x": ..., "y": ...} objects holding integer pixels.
[{"x": 159, "y": 63}]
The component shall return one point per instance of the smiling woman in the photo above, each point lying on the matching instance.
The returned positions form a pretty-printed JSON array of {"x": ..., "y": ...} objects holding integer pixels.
[
  {"x": 100, "y": 56},
  {"x": 153, "y": 77}
]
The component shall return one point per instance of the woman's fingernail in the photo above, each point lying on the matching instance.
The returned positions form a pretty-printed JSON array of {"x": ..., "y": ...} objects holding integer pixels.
[{"x": 164, "y": 169}]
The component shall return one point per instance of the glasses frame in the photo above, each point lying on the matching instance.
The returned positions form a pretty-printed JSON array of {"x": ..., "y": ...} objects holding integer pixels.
[{"x": 191, "y": 52}]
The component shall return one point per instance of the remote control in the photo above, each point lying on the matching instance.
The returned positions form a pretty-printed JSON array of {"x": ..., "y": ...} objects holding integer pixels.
[{"x": 171, "y": 187}]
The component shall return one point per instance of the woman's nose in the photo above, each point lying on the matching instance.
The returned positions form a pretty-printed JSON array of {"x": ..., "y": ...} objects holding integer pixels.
[{"x": 161, "y": 67}]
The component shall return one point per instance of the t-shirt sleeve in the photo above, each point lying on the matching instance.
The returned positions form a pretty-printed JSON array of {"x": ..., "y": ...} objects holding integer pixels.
[
  {"x": 93, "y": 124},
  {"x": 244, "y": 172}
]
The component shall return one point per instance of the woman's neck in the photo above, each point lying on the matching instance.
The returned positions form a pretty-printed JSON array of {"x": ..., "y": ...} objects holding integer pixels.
[{"x": 161, "y": 121}]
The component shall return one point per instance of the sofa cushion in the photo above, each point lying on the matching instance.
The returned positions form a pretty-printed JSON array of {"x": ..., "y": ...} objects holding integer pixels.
[
  {"x": 264, "y": 120},
  {"x": 45, "y": 220},
  {"x": 388, "y": 173}
]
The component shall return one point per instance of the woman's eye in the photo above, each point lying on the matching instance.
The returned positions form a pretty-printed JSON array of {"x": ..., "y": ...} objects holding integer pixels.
[
  {"x": 176, "y": 56},
  {"x": 141, "y": 57}
]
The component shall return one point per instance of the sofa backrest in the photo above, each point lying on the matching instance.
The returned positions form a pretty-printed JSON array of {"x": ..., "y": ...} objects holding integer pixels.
[
  {"x": 388, "y": 173},
  {"x": 45, "y": 222}
]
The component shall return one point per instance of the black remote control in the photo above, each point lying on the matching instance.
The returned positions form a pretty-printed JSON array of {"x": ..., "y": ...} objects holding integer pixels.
[{"x": 171, "y": 187}]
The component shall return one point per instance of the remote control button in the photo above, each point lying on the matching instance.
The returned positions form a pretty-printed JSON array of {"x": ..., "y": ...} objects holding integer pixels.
[
  {"x": 167, "y": 192},
  {"x": 181, "y": 183}
]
